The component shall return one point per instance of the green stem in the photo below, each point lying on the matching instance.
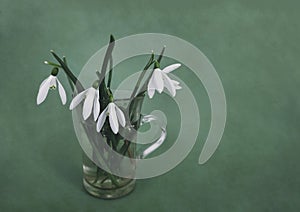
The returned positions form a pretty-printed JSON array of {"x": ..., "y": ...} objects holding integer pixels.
[
  {"x": 107, "y": 57},
  {"x": 69, "y": 80},
  {"x": 102, "y": 181},
  {"x": 51, "y": 64},
  {"x": 161, "y": 54},
  {"x": 103, "y": 91},
  {"x": 124, "y": 147},
  {"x": 113, "y": 179},
  {"x": 110, "y": 71},
  {"x": 136, "y": 103},
  {"x": 150, "y": 62},
  {"x": 97, "y": 175}
]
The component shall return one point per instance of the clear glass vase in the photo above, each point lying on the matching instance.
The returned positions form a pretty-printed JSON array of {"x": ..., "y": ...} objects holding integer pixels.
[{"x": 99, "y": 181}]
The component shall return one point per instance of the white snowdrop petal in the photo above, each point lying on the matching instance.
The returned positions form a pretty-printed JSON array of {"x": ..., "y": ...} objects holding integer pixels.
[
  {"x": 62, "y": 93},
  {"x": 43, "y": 91},
  {"x": 44, "y": 81},
  {"x": 170, "y": 68},
  {"x": 88, "y": 104},
  {"x": 101, "y": 120},
  {"x": 113, "y": 120},
  {"x": 151, "y": 84},
  {"x": 175, "y": 82},
  {"x": 121, "y": 117},
  {"x": 151, "y": 87},
  {"x": 158, "y": 80},
  {"x": 77, "y": 99},
  {"x": 52, "y": 81},
  {"x": 169, "y": 85},
  {"x": 96, "y": 106},
  {"x": 151, "y": 93},
  {"x": 177, "y": 87}
]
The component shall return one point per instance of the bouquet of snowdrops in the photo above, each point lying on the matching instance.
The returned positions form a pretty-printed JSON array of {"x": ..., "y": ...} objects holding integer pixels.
[{"x": 102, "y": 118}]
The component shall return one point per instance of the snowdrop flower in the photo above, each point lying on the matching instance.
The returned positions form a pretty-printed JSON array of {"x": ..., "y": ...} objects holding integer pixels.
[
  {"x": 91, "y": 101},
  {"x": 160, "y": 79},
  {"x": 116, "y": 116},
  {"x": 50, "y": 83}
]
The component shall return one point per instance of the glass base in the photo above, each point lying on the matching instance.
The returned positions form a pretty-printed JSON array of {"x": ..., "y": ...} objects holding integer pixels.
[
  {"x": 101, "y": 184},
  {"x": 107, "y": 193}
]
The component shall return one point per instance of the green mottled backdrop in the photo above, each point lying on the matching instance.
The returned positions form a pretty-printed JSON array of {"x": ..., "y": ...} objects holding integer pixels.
[{"x": 254, "y": 46}]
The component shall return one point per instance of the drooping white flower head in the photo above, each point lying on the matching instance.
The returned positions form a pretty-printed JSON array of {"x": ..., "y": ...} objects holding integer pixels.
[
  {"x": 91, "y": 102},
  {"x": 115, "y": 115},
  {"x": 160, "y": 79},
  {"x": 50, "y": 83}
]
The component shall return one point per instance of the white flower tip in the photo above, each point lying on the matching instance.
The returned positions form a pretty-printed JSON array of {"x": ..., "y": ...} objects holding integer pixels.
[
  {"x": 51, "y": 50},
  {"x": 46, "y": 62},
  {"x": 43, "y": 91},
  {"x": 72, "y": 105},
  {"x": 38, "y": 102},
  {"x": 115, "y": 129},
  {"x": 96, "y": 117},
  {"x": 85, "y": 117},
  {"x": 151, "y": 93},
  {"x": 165, "y": 46},
  {"x": 62, "y": 92},
  {"x": 40, "y": 99},
  {"x": 177, "y": 65}
]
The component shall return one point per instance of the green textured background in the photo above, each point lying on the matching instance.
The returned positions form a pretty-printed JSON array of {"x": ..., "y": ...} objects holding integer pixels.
[{"x": 254, "y": 46}]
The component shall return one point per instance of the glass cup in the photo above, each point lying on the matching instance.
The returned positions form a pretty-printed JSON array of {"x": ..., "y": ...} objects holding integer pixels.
[{"x": 108, "y": 159}]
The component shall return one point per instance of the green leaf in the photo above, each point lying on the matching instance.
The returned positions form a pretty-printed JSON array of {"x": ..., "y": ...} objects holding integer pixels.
[
  {"x": 124, "y": 147},
  {"x": 103, "y": 91},
  {"x": 106, "y": 57},
  {"x": 69, "y": 80},
  {"x": 110, "y": 71}
]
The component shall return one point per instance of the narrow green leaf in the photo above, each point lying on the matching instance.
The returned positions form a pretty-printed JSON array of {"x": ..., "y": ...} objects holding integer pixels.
[
  {"x": 69, "y": 80},
  {"x": 106, "y": 57},
  {"x": 124, "y": 147},
  {"x": 110, "y": 71},
  {"x": 103, "y": 91}
]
